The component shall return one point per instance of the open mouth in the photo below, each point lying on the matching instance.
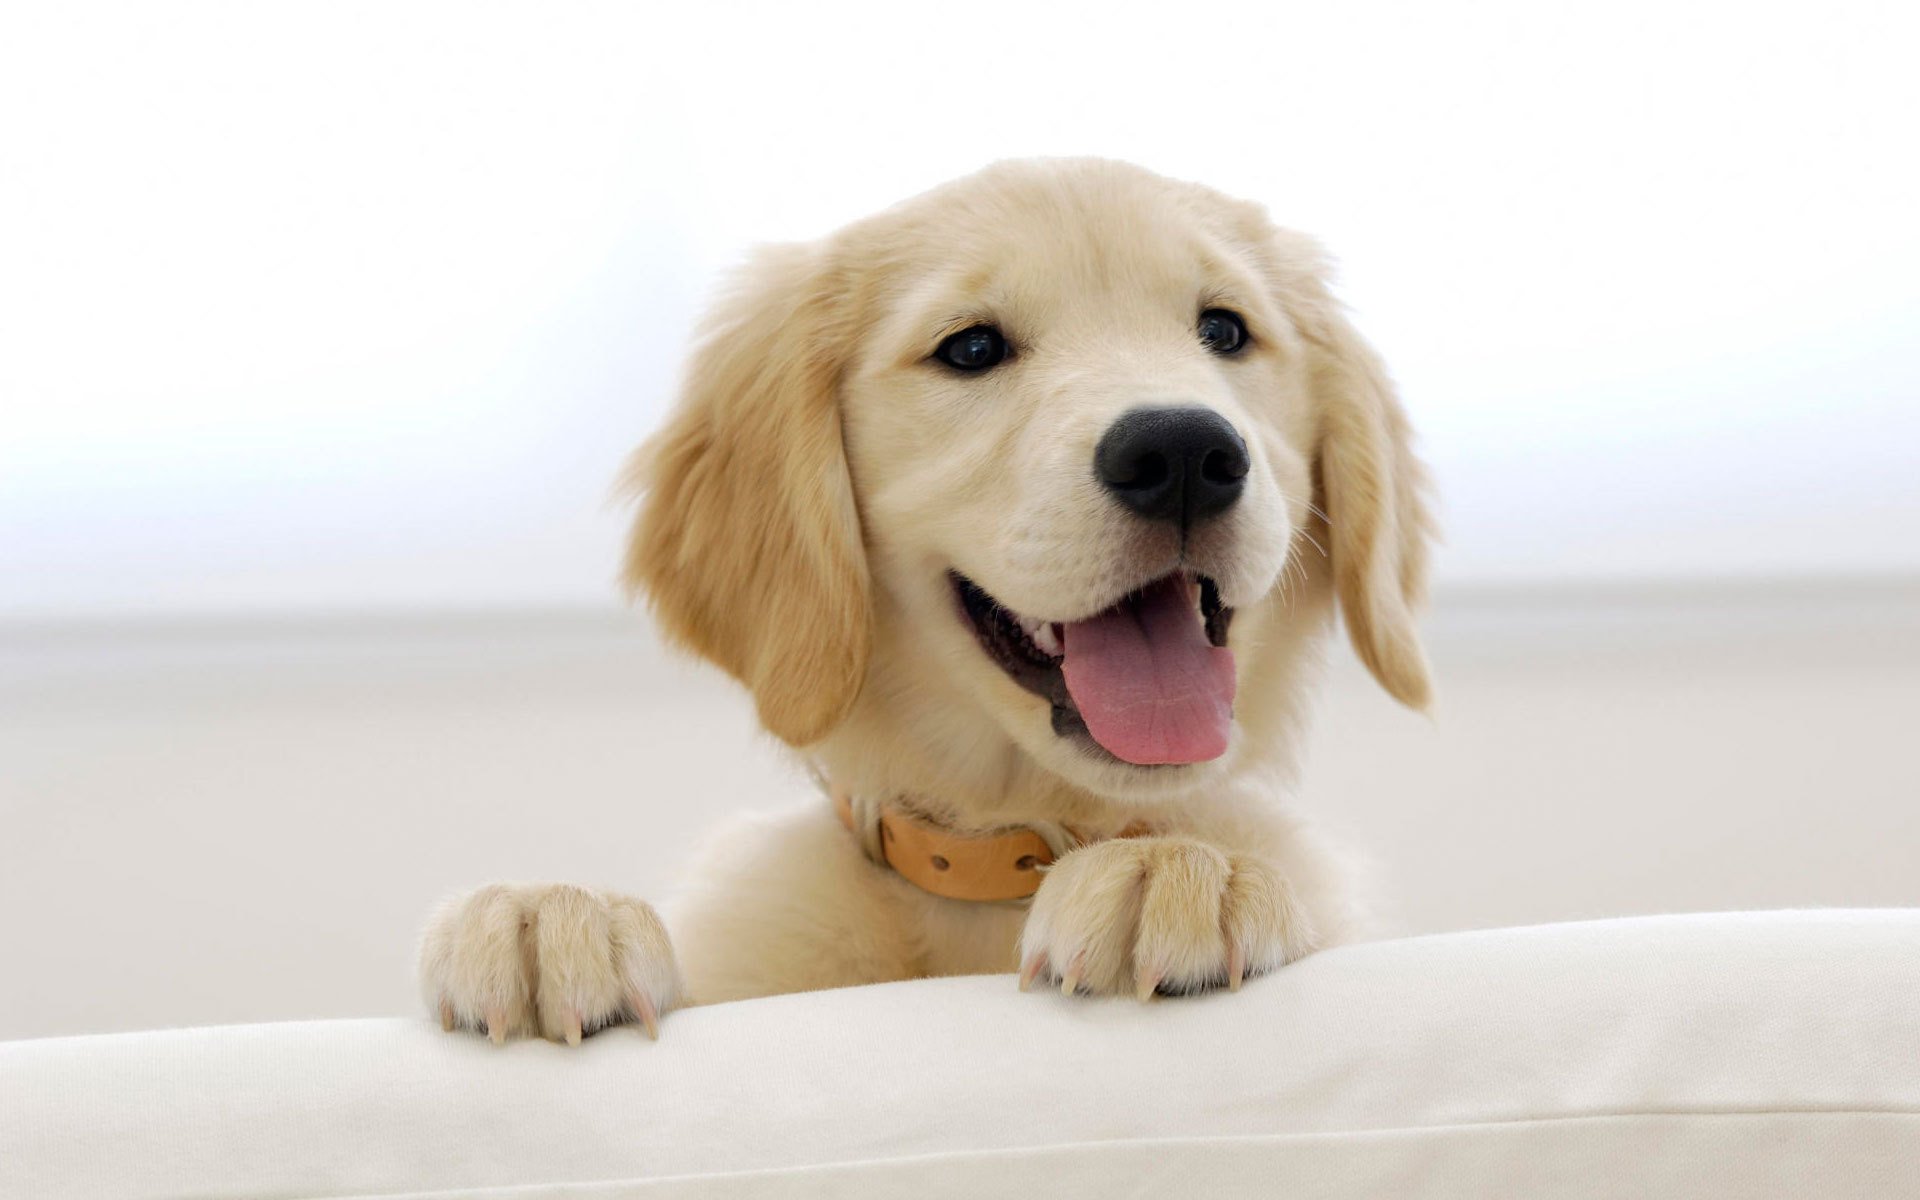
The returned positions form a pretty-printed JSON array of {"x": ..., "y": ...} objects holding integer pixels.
[{"x": 1148, "y": 679}]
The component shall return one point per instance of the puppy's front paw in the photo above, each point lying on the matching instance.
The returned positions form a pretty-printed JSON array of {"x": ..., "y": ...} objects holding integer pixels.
[
  {"x": 1159, "y": 914},
  {"x": 547, "y": 960}
]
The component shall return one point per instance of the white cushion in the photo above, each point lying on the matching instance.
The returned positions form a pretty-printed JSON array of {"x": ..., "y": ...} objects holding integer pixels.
[{"x": 1751, "y": 1055}]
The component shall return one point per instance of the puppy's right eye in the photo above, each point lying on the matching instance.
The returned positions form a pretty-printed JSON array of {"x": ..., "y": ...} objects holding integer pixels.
[{"x": 973, "y": 349}]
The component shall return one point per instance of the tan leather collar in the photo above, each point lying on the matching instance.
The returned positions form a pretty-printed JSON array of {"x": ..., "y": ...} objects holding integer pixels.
[
  {"x": 985, "y": 866},
  {"x": 990, "y": 866}
]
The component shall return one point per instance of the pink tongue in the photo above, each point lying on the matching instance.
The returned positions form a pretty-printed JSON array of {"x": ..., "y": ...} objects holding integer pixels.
[{"x": 1149, "y": 685}]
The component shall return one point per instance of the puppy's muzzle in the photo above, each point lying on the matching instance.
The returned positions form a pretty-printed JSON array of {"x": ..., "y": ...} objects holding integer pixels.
[{"x": 1180, "y": 465}]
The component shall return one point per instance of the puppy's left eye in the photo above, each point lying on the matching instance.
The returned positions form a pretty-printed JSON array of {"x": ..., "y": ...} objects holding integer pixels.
[
  {"x": 1221, "y": 331},
  {"x": 973, "y": 349}
]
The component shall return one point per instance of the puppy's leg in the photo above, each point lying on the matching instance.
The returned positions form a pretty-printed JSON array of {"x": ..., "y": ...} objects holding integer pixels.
[
  {"x": 779, "y": 902},
  {"x": 547, "y": 960},
  {"x": 786, "y": 902}
]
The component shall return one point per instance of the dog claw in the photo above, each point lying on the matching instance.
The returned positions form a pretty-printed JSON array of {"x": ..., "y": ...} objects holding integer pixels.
[
  {"x": 573, "y": 1028},
  {"x": 497, "y": 1026},
  {"x": 1070, "y": 982},
  {"x": 1148, "y": 981},
  {"x": 1236, "y": 967},
  {"x": 1032, "y": 969},
  {"x": 643, "y": 1008},
  {"x": 446, "y": 1015}
]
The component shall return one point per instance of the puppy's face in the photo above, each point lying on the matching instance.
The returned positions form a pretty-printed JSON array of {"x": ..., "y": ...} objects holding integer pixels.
[
  {"x": 1043, "y": 431},
  {"x": 1080, "y": 438}
]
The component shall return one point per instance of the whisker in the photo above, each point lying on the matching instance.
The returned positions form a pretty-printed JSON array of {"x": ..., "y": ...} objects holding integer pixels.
[
  {"x": 1289, "y": 571},
  {"x": 1311, "y": 507}
]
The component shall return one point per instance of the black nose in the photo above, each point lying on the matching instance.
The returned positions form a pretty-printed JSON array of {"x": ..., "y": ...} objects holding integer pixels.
[{"x": 1172, "y": 464}]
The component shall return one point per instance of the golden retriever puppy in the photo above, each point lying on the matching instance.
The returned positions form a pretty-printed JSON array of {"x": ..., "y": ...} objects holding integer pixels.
[{"x": 1022, "y": 509}]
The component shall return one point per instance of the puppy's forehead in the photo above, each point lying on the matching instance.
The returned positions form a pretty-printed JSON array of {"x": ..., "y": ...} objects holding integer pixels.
[{"x": 1038, "y": 235}]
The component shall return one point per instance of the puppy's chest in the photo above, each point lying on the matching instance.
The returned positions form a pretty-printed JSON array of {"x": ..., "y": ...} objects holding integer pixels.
[{"x": 963, "y": 938}]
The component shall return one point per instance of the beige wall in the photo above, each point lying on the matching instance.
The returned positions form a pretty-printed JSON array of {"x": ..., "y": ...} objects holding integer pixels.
[{"x": 206, "y": 823}]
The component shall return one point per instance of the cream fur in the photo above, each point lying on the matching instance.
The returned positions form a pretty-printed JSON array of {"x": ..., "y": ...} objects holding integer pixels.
[{"x": 803, "y": 507}]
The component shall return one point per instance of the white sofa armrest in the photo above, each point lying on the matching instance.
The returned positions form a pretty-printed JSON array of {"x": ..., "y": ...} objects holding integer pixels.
[{"x": 1764, "y": 1054}]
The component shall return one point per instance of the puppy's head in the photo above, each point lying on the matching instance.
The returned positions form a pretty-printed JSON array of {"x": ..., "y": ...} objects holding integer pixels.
[{"x": 1037, "y": 436}]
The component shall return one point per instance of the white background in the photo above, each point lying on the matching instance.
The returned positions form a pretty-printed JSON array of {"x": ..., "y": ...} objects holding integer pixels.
[{"x": 338, "y": 307}]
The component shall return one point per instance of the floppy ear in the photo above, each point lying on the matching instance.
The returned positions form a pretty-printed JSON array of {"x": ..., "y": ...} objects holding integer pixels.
[
  {"x": 748, "y": 540},
  {"x": 1373, "y": 490}
]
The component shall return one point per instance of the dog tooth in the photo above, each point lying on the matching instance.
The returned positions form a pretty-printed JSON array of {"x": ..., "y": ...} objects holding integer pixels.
[{"x": 1044, "y": 637}]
